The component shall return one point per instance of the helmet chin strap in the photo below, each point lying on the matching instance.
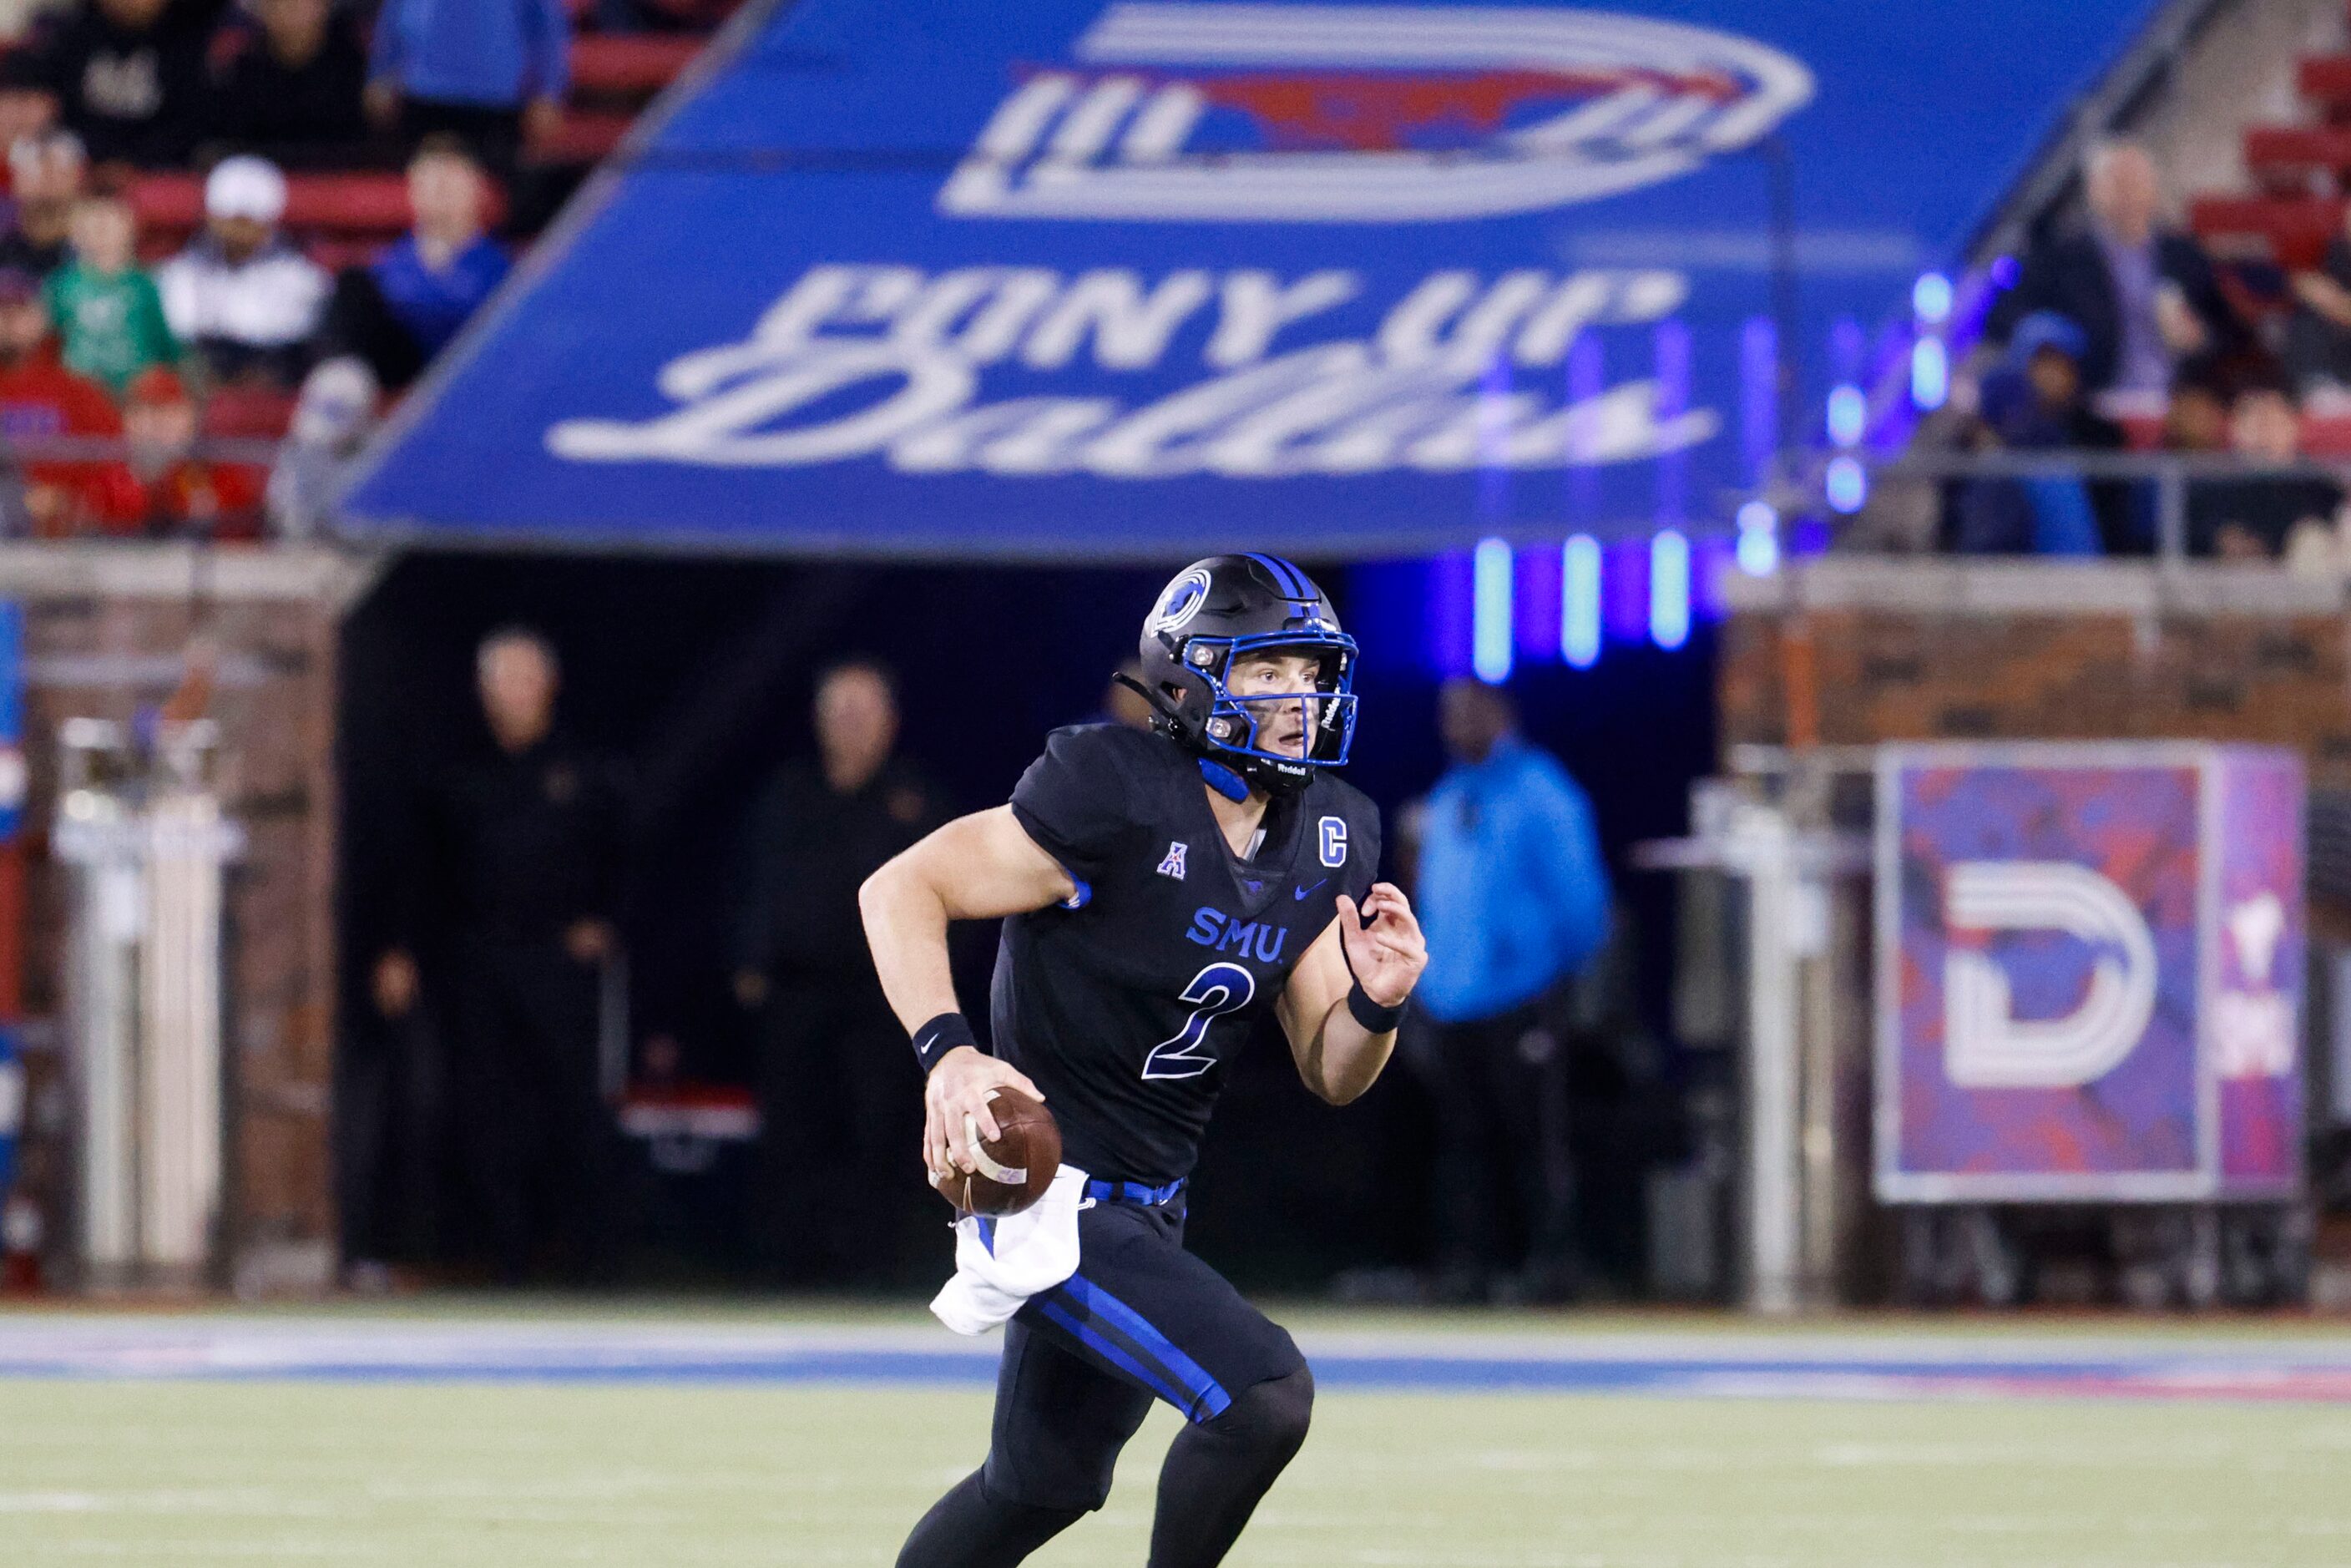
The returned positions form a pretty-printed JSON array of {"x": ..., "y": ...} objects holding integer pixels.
[{"x": 1224, "y": 781}]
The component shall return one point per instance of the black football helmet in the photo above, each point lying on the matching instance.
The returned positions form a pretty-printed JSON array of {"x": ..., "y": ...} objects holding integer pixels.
[{"x": 1220, "y": 610}]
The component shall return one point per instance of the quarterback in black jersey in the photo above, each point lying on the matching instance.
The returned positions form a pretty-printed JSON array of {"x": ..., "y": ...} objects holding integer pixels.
[{"x": 1162, "y": 893}]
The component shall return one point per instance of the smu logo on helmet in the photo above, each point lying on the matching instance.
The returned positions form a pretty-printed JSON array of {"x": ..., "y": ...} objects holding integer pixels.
[
  {"x": 1286, "y": 113},
  {"x": 1181, "y": 602}
]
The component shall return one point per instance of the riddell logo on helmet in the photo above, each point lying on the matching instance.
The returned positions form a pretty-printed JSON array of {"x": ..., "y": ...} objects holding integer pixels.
[{"x": 1293, "y": 114}]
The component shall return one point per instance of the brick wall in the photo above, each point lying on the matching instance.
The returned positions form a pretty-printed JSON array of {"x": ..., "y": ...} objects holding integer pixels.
[
  {"x": 1905, "y": 650},
  {"x": 108, "y": 631}
]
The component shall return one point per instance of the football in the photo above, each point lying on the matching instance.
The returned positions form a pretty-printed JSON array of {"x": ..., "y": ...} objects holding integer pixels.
[{"x": 1015, "y": 1167}]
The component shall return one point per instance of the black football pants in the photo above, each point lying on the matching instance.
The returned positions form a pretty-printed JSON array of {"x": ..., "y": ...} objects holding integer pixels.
[{"x": 1141, "y": 1320}]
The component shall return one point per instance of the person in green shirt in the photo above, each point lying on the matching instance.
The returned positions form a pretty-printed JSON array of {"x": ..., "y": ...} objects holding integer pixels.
[{"x": 109, "y": 315}]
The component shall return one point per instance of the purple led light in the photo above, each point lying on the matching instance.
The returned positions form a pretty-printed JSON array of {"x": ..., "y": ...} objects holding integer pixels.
[
  {"x": 1452, "y": 597},
  {"x": 1673, "y": 351},
  {"x": 1759, "y": 396},
  {"x": 1538, "y": 603}
]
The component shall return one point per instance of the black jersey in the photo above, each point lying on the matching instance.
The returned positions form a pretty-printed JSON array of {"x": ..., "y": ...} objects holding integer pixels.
[{"x": 1122, "y": 1004}]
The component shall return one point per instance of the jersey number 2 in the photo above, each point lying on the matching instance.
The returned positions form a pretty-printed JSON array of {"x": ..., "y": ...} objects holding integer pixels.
[{"x": 1214, "y": 991}]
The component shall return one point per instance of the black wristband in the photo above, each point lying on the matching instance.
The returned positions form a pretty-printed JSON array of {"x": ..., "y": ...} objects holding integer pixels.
[
  {"x": 1369, "y": 1013},
  {"x": 941, "y": 1035}
]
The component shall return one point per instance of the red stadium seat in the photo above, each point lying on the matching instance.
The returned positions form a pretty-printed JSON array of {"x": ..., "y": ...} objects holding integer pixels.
[
  {"x": 2325, "y": 80},
  {"x": 587, "y": 137},
  {"x": 2291, "y": 231},
  {"x": 630, "y": 65},
  {"x": 248, "y": 412},
  {"x": 2327, "y": 435},
  {"x": 2282, "y": 158},
  {"x": 350, "y": 203},
  {"x": 340, "y": 218}
]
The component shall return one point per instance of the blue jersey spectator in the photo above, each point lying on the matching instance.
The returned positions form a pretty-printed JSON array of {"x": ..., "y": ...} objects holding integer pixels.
[
  {"x": 399, "y": 310},
  {"x": 487, "y": 70},
  {"x": 1515, "y": 898},
  {"x": 2035, "y": 402}
]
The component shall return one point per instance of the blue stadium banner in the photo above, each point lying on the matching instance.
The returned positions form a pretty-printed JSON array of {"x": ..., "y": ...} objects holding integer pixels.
[{"x": 1131, "y": 278}]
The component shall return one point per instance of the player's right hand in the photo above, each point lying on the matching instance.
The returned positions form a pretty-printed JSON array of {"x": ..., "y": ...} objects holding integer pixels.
[{"x": 957, "y": 1089}]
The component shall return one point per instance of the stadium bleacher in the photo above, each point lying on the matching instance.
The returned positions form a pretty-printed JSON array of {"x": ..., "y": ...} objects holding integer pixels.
[{"x": 343, "y": 216}]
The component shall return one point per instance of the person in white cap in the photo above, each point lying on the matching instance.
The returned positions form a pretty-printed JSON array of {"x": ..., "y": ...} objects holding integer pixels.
[{"x": 245, "y": 300}]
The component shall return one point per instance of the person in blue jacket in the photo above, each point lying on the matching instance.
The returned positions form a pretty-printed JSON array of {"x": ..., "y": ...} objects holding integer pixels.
[
  {"x": 491, "y": 71},
  {"x": 1514, "y": 897}
]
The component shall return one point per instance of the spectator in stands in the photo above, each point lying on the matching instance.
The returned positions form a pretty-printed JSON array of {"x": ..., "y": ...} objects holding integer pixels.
[
  {"x": 2144, "y": 297},
  {"x": 179, "y": 491},
  {"x": 2196, "y": 416},
  {"x": 820, "y": 829},
  {"x": 18, "y": 17},
  {"x": 109, "y": 315},
  {"x": 44, "y": 173},
  {"x": 291, "y": 86},
  {"x": 243, "y": 301},
  {"x": 400, "y": 309},
  {"x": 39, "y": 397},
  {"x": 2316, "y": 345},
  {"x": 492, "y": 71},
  {"x": 2252, "y": 518},
  {"x": 2035, "y": 402},
  {"x": 130, "y": 76},
  {"x": 27, "y": 107},
  {"x": 332, "y": 420},
  {"x": 1515, "y": 897}
]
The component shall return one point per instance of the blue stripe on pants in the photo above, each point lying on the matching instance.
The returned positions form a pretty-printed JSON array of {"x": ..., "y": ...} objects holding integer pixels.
[
  {"x": 1110, "y": 1351},
  {"x": 1208, "y": 1396}
]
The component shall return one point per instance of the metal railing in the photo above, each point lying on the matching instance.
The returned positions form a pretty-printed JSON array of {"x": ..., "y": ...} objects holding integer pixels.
[{"x": 2169, "y": 478}]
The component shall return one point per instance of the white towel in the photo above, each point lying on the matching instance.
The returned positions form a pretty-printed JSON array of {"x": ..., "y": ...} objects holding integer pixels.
[{"x": 1000, "y": 1263}]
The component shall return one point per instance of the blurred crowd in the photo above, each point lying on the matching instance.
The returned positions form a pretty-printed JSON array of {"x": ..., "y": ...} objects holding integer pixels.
[
  {"x": 2120, "y": 334},
  {"x": 212, "y": 382}
]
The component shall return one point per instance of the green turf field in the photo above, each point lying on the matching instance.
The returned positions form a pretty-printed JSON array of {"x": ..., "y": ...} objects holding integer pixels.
[{"x": 520, "y": 1475}]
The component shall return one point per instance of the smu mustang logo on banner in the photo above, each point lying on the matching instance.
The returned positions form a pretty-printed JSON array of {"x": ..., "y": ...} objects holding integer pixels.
[
  {"x": 2089, "y": 973},
  {"x": 1083, "y": 278},
  {"x": 1366, "y": 114}
]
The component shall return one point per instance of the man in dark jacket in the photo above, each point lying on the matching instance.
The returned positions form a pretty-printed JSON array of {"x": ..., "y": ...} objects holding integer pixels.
[
  {"x": 516, "y": 877},
  {"x": 836, "y": 1090},
  {"x": 2145, "y": 298},
  {"x": 130, "y": 76},
  {"x": 291, "y": 86}
]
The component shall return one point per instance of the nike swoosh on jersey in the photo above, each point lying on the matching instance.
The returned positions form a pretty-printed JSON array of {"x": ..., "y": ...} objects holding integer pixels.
[{"x": 1300, "y": 893}]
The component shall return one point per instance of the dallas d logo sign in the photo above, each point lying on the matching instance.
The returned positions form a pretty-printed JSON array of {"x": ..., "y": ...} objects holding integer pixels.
[
  {"x": 1264, "y": 113},
  {"x": 1985, "y": 1045},
  {"x": 2089, "y": 973}
]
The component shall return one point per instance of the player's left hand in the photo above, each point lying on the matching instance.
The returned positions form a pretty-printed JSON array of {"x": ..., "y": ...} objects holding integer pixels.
[{"x": 1387, "y": 955}]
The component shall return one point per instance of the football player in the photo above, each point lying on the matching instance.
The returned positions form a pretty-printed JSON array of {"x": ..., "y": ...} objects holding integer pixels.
[{"x": 1162, "y": 893}]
